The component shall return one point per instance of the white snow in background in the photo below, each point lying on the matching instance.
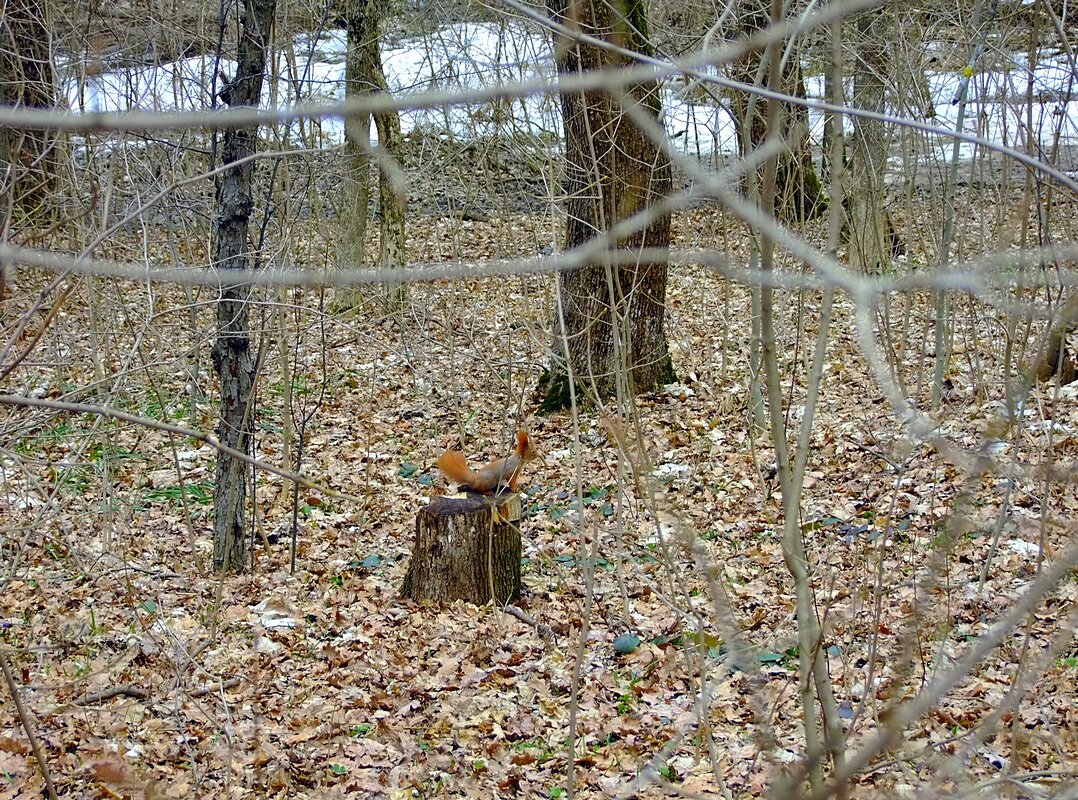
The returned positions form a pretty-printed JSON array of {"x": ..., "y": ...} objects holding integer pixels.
[
  {"x": 995, "y": 106},
  {"x": 485, "y": 55}
]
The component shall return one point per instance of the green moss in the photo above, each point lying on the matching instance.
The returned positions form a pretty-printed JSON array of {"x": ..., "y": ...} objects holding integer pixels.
[
  {"x": 554, "y": 388},
  {"x": 664, "y": 374}
]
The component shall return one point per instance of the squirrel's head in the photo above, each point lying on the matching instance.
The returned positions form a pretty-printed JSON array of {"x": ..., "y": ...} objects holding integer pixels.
[{"x": 526, "y": 446}]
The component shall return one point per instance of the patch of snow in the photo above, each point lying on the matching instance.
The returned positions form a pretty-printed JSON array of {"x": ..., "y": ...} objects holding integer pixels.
[
  {"x": 1024, "y": 548},
  {"x": 1046, "y": 425},
  {"x": 999, "y": 407},
  {"x": 263, "y": 644},
  {"x": 26, "y": 502},
  {"x": 272, "y": 615},
  {"x": 670, "y": 471},
  {"x": 992, "y": 759},
  {"x": 484, "y": 55},
  {"x": 679, "y": 390}
]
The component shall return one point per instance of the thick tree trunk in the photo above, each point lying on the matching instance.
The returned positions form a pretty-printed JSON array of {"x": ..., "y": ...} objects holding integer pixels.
[
  {"x": 364, "y": 75},
  {"x": 798, "y": 192},
  {"x": 614, "y": 314},
  {"x": 232, "y": 352},
  {"x": 27, "y": 157},
  {"x": 465, "y": 549},
  {"x": 1056, "y": 358}
]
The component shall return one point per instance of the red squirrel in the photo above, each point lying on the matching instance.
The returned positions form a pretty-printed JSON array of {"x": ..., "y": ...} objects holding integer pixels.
[{"x": 504, "y": 471}]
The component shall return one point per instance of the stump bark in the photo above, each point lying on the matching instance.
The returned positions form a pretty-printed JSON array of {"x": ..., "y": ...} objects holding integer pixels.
[{"x": 466, "y": 549}]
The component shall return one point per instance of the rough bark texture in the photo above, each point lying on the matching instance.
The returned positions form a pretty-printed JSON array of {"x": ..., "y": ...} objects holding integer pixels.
[
  {"x": 27, "y": 157},
  {"x": 1056, "y": 358},
  {"x": 614, "y": 315},
  {"x": 870, "y": 236},
  {"x": 799, "y": 194},
  {"x": 356, "y": 187},
  {"x": 393, "y": 198},
  {"x": 463, "y": 548},
  {"x": 232, "y": 354},
  {"x": 364, "y": 75}
]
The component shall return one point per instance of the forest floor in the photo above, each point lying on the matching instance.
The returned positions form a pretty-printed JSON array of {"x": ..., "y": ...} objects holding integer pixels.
[{"x": 148, "y": 676}]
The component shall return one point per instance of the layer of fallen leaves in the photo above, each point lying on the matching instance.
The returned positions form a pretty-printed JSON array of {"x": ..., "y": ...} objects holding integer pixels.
[{"x": 148, "y": 675}]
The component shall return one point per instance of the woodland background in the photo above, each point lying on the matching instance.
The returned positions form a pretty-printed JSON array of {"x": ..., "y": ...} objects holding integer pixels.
[{"x": 848, "y": 554}]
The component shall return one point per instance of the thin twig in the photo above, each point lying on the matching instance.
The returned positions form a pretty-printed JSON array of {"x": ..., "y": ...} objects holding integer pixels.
[
  {"x": 544, "y": 631},
  {"x": 123, "y": 690},
  {"x": 27, "y": 726},
  {"x": 205, "y": 438},
  {"x": 215, "y": 687}
]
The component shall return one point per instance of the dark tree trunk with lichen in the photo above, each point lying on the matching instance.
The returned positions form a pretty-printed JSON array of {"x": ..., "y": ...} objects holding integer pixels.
[
  {"x": 27, "y": 156},
  {"x": 799, "y": 194},
  {"x": 232, "y": 354},
  {"x": 614, "y": 309}
]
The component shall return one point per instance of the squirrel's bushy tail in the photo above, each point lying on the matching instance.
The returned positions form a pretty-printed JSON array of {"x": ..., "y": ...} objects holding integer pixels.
[{"x": 455, "y": 467}]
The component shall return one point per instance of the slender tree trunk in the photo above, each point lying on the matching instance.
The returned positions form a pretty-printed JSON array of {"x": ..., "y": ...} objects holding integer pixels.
[
  {"x": 799, "y": 195},
  {"x": 357, "y": 154},
  {"x": 364, "y": 75},
  {"x": 232, "y": 354},
  {"x": 613, "y": 314},
  {"x": 984, "y": 13},
  {"x": 27, "y": 157},
  {"x": 869, "y": 231},
  {"x": 814, "y": 678},
  {"x": 393, "y": 197}
]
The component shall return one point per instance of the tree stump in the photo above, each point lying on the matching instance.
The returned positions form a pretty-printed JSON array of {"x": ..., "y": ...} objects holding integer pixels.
[{"x": 466, "y": 549}]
